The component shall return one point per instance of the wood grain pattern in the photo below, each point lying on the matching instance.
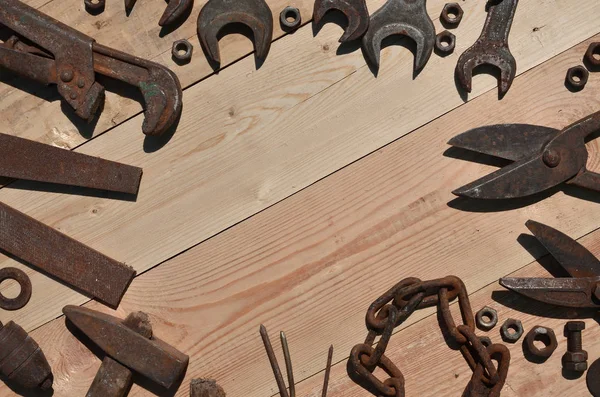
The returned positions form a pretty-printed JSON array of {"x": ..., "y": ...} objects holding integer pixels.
[
  {"x": 248, "y": 139},
  {"x": 313, "y": 263}
]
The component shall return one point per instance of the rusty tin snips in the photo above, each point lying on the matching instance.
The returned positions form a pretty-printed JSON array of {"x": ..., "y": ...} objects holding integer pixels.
[
  {"x": 63, "y": 56},
  {"x": 580, "y": 290},
  {"x": 542, "y": 158}
]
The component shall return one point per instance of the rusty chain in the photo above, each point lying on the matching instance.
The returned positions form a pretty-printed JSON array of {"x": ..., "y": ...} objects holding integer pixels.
[{"x": 394, "y": 307}]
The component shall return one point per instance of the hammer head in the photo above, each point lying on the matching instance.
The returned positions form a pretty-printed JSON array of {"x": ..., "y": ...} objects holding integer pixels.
[{"x": 152, "y": 358}]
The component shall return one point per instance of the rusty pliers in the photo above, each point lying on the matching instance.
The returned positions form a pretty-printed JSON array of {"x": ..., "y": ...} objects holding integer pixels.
[{"x": 70, "y": 59}]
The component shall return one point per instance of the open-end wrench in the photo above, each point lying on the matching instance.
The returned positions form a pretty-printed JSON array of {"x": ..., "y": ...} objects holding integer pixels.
[
  {"x": 405, "y": 17},
  {"x": 175, "y": 9},
  {"x": 69, "y": 59},
  {"x": 216, "y": 14},
  {"x": 491, "y": 48},
  {"x": 355, "y": 11}
]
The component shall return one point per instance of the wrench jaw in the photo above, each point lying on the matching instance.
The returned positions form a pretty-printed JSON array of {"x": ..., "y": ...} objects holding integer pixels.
[
  {"x": 425, "y": 41},
  {"x": 175, "y": 10},
  {"x": 400, "y": 17},
  {"x": 163, "y": 99},
  {"x": 216, "y": 14},
  {"x": 500, "y": 57},
  {"x": 355, "y": 11}
]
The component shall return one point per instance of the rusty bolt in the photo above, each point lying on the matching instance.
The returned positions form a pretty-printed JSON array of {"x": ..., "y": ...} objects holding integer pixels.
[
  {"x": 445, "y": 42},
  {"x": 575, "y": 359},
  {"x": 551, "y": 158},
  {"x": 452, "y": 14},
  {"x": 511, "y": 330},
  {"x": 577, "y": 77},
  {"x": 544, "y": 335},
  {"x": 593, "y": 54},
  {"x": 486, "y": 318},
  {"x": 66, "y": 75},
  {"x": 485, "y": 341}
]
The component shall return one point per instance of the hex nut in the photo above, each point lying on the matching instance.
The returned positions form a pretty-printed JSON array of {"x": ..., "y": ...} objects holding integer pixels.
[
  {"x": 485, "y": 341},
  {"x": 182, "y": 51},
  {"x": 290, "y": 18},
  {"x": 480, "y": 318},
  {"x": 577, "y": 77},
  {"x": 511, "y": 331},
  {"x": 592, "y": 54},
  {"x": 94, "y": 7},
  {"x": 445, "y": 42},
  {"x": 452, "y": 14},
  {"x": 544, "y": 335}
]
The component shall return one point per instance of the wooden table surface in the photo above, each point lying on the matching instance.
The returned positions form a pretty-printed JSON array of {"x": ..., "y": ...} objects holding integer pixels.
[{"x": 296, "y": 194}]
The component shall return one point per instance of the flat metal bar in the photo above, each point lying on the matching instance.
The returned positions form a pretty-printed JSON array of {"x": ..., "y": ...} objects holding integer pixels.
[
  {"x": 24, "y": 159},
  {"x": 63, "y": 257}
]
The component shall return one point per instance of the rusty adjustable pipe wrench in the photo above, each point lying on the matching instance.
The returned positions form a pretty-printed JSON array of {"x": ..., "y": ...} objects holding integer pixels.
[
  {"x": 70, "y": 59},
  {"x": 129, "y": 346}
]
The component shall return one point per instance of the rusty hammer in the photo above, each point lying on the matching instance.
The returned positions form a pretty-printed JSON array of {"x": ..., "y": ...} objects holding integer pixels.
[{"x": 130, "y": 347}]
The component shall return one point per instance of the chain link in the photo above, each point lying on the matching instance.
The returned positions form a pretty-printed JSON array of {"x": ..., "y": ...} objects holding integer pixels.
[{"x": 395, "y": 306}]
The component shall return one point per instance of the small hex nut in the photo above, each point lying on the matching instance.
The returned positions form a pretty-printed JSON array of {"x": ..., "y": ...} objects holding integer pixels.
[
  {"x": 452, "y": 14},
  {"x": 182, "y": 51},
  {"x": 485, "y": 341},
  {"x": 94, "y": 7},
  {"x": 577, "y": 77},
  {"x": 445, "y": 42},
  {"x": 482, "y": 316},
  {"x": 511, "y": 331},
  {"x": 290, "y": 18},
  {"x": 544, "y": 335},
  {"x": 592, "y": 54}
]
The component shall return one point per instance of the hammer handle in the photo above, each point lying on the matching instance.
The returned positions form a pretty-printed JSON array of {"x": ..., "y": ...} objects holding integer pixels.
[{"x": 112, "y": 380}]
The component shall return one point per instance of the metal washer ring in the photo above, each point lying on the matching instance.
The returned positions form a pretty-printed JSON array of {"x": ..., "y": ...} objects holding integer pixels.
[
  {"x": 291, "y": 12},
  {"x": 12, "y": 273}
]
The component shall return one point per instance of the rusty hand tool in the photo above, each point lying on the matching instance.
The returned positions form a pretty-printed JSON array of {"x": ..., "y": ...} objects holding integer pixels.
[
  {"x": 542, "y": 158},
  {"x": 288, "y": 365},
  {"x": 63, "y": 257},
  {"x": 70, "y": 59},
  {"x": 216, "y": 14},
  {"x": 355, "y": 11},
  {"x": 491, "y": 48},
  {"x": 21, "y": 360},
  {"x": 405, "y": 17},
  {"x": 580, "y": 290},
  {"x": 175, "y": 10},
  {"x": 129, "y": 346}
]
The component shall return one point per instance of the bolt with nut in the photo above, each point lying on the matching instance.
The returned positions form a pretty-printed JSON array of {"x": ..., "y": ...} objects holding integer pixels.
[{"x": 575, "y": 359}]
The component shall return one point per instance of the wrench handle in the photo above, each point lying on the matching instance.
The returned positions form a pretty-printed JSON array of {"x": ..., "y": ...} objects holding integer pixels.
[{"x": 499, "y": 20}]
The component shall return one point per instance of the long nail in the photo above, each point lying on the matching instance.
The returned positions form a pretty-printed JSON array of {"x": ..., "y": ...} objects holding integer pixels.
[
  {"x": 327, "y": 371},
  {"x": 288, "y": 364},
  {"x": 273, "y": 360}
]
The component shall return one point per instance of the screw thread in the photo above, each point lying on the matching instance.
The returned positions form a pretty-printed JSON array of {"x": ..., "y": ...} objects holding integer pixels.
[{"x": 574, "y": 343}]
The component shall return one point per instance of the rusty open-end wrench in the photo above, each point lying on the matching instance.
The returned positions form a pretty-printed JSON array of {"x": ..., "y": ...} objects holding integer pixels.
[
  {"x": 70, "y": 59},
  {"x": 216, "y": 14},
  {"x": 491, "y": 48},
  {"x": 405, "y": 17},
  {"x": 355, "y": 11},
  {"x": 175, "y": 9}
]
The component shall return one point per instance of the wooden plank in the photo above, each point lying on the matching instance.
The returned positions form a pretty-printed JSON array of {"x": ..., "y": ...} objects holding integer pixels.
[
  {"x": 44, "y": 118},
  {"x": 250, "y": 138},
  {"x": 313, "y": 263},
  {"x": 431, "y": 368}
]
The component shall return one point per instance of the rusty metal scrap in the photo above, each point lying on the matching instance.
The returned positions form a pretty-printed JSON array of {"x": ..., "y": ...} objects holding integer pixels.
[
  {"x": 491, "y": 48},
  {"x": 174, "y": 12},
  {"x": 22, "y": 361},
  {"x": 63, "y": 257},
  {"x": 131, "y": 344},
  {"x": 394, "y": 307},
  {"x": 34, "y": 161},
  {"x": 205, "y": 388},
  {"x": 69, "y": 59}
]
